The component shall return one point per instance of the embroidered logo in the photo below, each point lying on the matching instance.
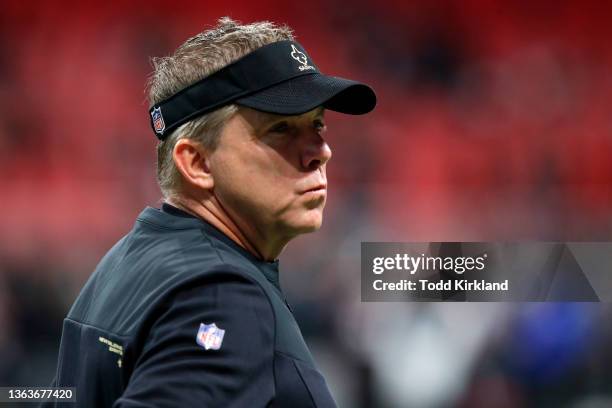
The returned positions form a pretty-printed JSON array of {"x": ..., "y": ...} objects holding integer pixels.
[
  {"x": 158, "y": 121},
  {"x": 210, "y": 336},
  {"x": 300, "y": 57}
]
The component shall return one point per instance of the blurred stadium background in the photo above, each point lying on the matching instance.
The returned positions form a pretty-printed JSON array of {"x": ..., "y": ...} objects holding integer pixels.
[{"x": 493, "y": 124}]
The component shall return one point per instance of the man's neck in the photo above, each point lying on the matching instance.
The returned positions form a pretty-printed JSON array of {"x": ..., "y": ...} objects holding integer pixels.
[{"x": 214, "y": 214}]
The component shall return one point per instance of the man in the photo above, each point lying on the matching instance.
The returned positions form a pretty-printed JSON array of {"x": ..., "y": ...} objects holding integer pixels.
[{"x": 186, "y": 310}]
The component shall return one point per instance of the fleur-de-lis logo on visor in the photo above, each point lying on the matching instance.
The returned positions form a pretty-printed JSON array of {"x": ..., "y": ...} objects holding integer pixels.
[{"x": 300, "y": 57}]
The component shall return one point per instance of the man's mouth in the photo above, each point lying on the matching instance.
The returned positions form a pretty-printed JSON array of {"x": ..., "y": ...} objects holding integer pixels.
[{"x": 317, "y": 188}]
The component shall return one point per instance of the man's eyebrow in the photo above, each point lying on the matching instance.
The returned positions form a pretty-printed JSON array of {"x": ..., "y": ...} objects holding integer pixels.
[
  {"x": 266, "y": 118},
  {"x": 316, "y": 113}
]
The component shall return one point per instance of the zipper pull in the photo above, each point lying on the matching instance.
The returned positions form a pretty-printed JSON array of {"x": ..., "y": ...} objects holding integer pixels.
[{"x": 288, "y": 306}]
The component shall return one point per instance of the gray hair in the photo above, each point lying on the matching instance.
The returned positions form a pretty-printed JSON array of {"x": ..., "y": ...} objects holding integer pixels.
[{"x": 197, "y": 58}]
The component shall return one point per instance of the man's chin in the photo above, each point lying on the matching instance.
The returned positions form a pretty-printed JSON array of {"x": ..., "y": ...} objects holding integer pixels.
[
  {"x": 305, "y": 229},
  {"x": 310, "y": 223}
]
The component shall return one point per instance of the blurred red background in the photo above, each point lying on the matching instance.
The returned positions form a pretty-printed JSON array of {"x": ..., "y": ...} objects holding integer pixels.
[{"x": 492, "y": 124}]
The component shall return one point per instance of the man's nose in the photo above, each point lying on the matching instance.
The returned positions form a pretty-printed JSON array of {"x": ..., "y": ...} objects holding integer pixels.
[{"x": 316, "y": 152}]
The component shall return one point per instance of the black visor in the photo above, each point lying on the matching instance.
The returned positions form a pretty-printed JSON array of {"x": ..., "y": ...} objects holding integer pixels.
[{"x": 277, "y": 78}]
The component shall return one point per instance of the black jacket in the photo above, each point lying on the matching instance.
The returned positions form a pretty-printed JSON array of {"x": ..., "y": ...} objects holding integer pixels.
[{"x": 129, "y": 340}]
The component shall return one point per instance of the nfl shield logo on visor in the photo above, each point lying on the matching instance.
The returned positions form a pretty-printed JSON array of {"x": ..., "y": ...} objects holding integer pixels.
[
  {"x": 210, "y": 336},
  {"x": 158, "y": 121}
]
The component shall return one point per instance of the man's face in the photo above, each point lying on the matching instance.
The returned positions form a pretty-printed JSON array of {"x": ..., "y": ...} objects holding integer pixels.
[{"x": 269, "y": 172}]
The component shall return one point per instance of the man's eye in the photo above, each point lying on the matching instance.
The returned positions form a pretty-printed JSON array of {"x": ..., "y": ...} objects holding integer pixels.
[
  {"x": 320, "y": 126},
  {"x": 281, "y": 127}
]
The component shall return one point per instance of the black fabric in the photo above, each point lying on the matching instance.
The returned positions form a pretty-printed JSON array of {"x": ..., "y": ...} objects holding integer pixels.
[
  {"x": 129, "y": 339},
  {"x": 305, "y": 93},
  {"x": 270, "y": 70},
  {"x": 174, "y": 371},
  {"x": 170, "y": 209}
]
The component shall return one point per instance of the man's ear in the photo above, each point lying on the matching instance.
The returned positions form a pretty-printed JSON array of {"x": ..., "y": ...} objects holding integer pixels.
[{"x": 192, "y": 161}]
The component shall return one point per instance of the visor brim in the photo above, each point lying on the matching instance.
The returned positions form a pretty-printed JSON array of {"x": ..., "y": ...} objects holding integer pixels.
[{"x": 305, "y": 93}]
